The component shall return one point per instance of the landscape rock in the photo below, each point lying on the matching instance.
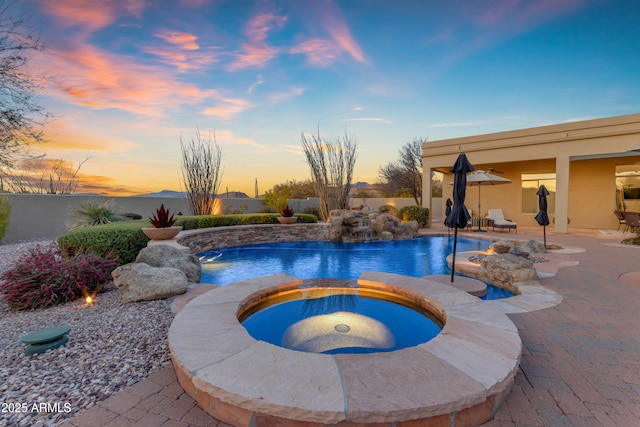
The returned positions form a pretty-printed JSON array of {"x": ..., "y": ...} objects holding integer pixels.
[
  {"x": 502, "y": 246},
  {"x": 170, "y": 256},
  {"x": 141, "y": 282},
  {"x": 507, "y": 268},
  {"x": 335, "y": 228},
  {"x": 386, "y": 236},
  {"x": 531, "y": 246}
]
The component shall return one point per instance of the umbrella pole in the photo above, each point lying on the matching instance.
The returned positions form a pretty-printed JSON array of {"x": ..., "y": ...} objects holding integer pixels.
[
  {"x": 455, "y": 243},
  {"x": 479, "y": 220},
  {"x": 544, "y": 233}
]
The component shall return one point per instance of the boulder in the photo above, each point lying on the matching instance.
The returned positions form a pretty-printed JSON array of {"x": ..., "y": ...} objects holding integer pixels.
[
  {"x": 531, "y": 246},
  {"x": 410, "y": 229},
  {"x": 335, "y": 228},
  {"x": 338, "y": 212},
  {"x": 170, "y": 256},
  {"x": 385, "y": 222},
  {"x": 502, "y": 246},
  {"x": 386, "y": 236},
  {"x": 507, "y": 268},
  {"x": 142, "y": 282}
]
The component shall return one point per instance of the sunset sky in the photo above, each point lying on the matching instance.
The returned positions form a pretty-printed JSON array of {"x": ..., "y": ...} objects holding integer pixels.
[{"x": 129, "y": 78}]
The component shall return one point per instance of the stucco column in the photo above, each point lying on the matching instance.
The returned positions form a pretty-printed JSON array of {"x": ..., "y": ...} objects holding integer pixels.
[
  {"x": 426, "y": 190},
  {"x": 562, "y": 193}
]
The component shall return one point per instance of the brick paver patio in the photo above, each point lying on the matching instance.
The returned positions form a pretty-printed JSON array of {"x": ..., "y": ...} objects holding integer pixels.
[{"x": 580, "y": 364}]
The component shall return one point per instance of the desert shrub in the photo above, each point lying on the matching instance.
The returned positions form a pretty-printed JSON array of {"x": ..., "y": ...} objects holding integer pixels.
[
  {"x": 259, "y": 218},
  {"x": 311, "y": 210},
  {"x": 388, "y": 209},
  {"x": 268, "y": 209},
  {"x": 208, "y": 221},
  {"x": 121, "y": 240},
  {"x": 93, "y": 212},
  {"x": 46, "y": 276},
  {"x": 131, "y": 215},
  {"x": 417, "y": 213},
  {"x": 5, "y": 210}
]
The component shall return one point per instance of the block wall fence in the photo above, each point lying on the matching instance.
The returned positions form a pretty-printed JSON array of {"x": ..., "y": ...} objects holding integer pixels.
[{"x": 36, "y": 216}]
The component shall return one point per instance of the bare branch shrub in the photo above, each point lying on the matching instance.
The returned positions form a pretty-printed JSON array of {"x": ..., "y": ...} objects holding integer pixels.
[
  {"x": 41, "y": 175},
  {"x": 201, "y": 172},
  {"x": 331, "y": 164},
  {"x": 404, "y": 176},
  {"x": 19, "y": 111}
]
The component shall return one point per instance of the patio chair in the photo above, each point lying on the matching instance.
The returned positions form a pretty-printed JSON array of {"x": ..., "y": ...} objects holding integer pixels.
[
  {"x": 621, "y": 220},
  {"x": 632, "y": 220},
  {"x": 496, "y": 220}
]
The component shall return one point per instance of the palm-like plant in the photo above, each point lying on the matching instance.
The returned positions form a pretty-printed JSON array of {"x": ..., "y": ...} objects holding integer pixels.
[{"x": 94, "y": 212}]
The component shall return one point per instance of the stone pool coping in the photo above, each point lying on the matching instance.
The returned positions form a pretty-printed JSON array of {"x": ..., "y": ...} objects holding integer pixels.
[
  {"x": 461, "y": 376},
  {"x": 531, "y": 295}
]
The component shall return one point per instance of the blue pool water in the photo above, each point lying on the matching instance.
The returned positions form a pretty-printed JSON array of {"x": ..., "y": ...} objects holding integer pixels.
[
  {"x": 342, "y": 260},
  {"x": 340, "y": 324}
]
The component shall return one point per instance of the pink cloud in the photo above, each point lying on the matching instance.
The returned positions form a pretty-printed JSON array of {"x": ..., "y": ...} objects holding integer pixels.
[
  {"x": 257, "y": 52},
  {"x": 98, "y": 14},
  {"x": 64, "y": 134},
  {"x": 183, "y": 61},
  {"x": 227, "y": 108},
  {"x": 319, "y": 52},
  {"x": 101, "y": 80},
  {"x": 291, "y": 93},
  {"x": 334, "y": 23},
  {"x": 521, "y": 15},
  {"x": 184, "y": 41}
]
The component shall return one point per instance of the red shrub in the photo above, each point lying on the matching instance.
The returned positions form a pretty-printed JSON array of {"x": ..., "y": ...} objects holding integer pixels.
[{"x": 45, "y": 277}]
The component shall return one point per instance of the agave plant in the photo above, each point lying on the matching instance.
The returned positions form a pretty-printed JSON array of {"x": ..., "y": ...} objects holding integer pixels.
[
  {"x": 93, "y": 212},
  {"x": 287, "y": 212},
  {"x": 162, "y": 219}
]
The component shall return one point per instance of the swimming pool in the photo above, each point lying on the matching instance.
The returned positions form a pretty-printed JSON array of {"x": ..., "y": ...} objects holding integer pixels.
[{"x": 343, "y": 260}]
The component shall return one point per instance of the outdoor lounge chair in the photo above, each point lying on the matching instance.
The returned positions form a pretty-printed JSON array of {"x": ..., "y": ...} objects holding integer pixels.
[
  {"x": 621, "y": 220},
  {"x": 632, "y": 220},
  {"x": 496, "y": 220}
]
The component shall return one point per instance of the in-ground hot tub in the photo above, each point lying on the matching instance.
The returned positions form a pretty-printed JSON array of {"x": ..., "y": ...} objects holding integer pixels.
[
  {"x": 336, "y": 316},
  {"x": 463, "y": 373}
]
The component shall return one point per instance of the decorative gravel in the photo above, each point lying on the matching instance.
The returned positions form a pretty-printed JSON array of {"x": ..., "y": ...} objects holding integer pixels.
[
  {"x": 477, "y": 259},
  {"x": 111, "y": 346}
]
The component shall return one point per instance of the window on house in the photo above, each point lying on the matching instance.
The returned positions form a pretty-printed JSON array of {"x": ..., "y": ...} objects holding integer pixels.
[
  {"x": 530, "y": 184},
  {"x": 628, "y": 188}
]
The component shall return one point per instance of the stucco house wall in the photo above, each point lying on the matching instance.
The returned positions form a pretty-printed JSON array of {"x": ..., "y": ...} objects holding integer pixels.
[{"x": 583, "y": 155}]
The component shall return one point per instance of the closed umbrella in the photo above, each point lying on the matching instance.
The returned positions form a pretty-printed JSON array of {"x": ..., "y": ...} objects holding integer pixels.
[
  {"x": 479, "y": 178},
  {"x": 447, "y": 212},
  {"x": 459, "y": 215},
  {"x": 543, "y": 216}
]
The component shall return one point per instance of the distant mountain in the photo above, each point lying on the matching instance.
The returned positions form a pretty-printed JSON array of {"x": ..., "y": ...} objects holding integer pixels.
[
  {"x": 182, "y": 194},
  {"x": 360, "y": 184},
  {"x": 164, "y": 193},
  {"x": 233, "y": 195}
]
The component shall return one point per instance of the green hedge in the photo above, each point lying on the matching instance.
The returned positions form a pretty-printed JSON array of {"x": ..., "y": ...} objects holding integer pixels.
[
  {"x": 410, "y": 213},
  {"x": 124, "y": 239},
  {"x": 5, "y": 210},
  {"x": 207, "y": 221}
]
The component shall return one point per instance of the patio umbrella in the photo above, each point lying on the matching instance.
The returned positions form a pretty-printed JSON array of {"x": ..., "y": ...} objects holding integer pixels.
[
  {"x": 447, "y": 212},
  {"x": 459, "y": 215},
  {"x": 479, "y": 178},
  {"x": 543, "y": 216}
]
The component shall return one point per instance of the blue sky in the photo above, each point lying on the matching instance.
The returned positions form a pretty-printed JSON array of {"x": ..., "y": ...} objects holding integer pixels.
[{"x": 129, "y": 78}]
